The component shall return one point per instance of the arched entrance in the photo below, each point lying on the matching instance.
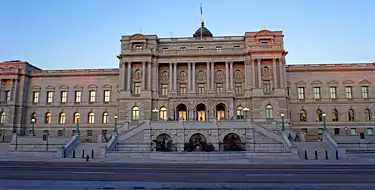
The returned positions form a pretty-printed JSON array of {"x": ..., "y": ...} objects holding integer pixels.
[
  {"x": 163, "y": 143},
  {"x": 181, "y": 111},
  {"x": 201, "y": 112},
  {"x": 197, "y": 143},
  {"x": 220, "y": 111},
  {"x": 232, "y": 142}
]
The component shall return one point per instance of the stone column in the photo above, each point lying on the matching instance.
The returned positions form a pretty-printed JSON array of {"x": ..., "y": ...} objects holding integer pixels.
[
  {"x": 208, "y": 75},
  {"x": 274, "y": 73},
  {"x": 284, "y": 71},
  {"x": 170, "y": 77},
  {"x": 175, "y": 77},
  {"x": 149, "y": 76},
  {"x": 259, "y": 74},
  {"x": 253, "y": 72},
  {"x": 11, "y": 89},
  {"x": 143, "y": 75},
  {"x": 193, "y": 74},
  {"x": 281, "y": 73},
  {"x": 129, "y": 76},
  {"x": 212, "y": 75},
  {"x": 123, "y": 77},
  {"x": 1, "y": 91},
  {"x": 189, "y": 77},
  {"x": 226, "y": 76},
  {"x": 231, "y": 75},
  {"x": 245, "y": 73}
]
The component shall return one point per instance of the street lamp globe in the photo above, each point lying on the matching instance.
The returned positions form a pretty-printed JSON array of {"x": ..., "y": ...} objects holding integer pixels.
[
  {"x": 115, "y": 116},
  {"x": 324, "y": 114},
  {"x": 32, "y": 120},
  {"x": 282, "y": 115}
]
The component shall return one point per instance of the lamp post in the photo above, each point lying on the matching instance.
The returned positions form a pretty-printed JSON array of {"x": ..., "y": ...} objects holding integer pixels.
[
  {"x": 32, "y": 126},
  {"x": 245, "y": 109},
  {"x": 77, "y": 126},
  {"x": 115, "y": 127},
  {"x": 324, "y": 122},
  {"x": 155, "y": 112},
  {"x": 282, "y": 122}
]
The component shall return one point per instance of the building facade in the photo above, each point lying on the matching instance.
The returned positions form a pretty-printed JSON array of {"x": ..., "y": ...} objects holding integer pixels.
[{"x": 201, "y": 78}]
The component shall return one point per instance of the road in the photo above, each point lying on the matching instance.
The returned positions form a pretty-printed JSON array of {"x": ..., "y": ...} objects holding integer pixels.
[{"x": 190, "y": 173}]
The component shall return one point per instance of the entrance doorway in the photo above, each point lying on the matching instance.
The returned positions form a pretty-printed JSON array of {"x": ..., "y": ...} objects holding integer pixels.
[
  {"x": 201, "y": 112},
  {"x": 197, "y": 143},
  {"x": 232, "y": 142},
  {"x": 181, "y": 111},
  {"x": 220, "y": 111}
]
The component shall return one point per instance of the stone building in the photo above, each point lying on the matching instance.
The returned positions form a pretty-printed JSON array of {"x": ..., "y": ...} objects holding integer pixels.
[{"x": 199, "y": 80}]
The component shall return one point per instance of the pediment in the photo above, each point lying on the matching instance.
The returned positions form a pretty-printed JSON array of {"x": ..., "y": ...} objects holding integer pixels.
[
  {"x": 264, "y": 33},
  {"x": 316, "y": 82},
  {"x": 301, "y": 83},
  {"x": 333, "y": 82},
  {"x": 64, "y": 87},
  {"x": 92, "y": 86},
  {"x": 348, "y": 82},
  {"x": 107, "y": 86},
  {"x": 36, "y": 87},
  {"x": 50, "y": 87},
  {"x": 137, "y": 37},
  {"x": 364, "y": 82},
  {"x": 78, "y": 87}
]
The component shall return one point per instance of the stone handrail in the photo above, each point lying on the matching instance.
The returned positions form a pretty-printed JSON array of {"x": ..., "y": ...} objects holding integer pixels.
[
  {"x": 333, "y": 146},
  {"x": 288, "y": 145},
  {"x": 69, "y": 146},
  {"x": 112, "y": 143}
]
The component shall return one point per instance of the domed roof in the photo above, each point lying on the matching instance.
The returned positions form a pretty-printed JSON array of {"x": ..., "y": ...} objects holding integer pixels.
[{"x": 204, "y": 30}]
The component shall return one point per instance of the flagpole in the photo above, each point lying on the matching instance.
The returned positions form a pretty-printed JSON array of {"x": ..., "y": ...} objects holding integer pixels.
[{"x": 201, "y": 22}]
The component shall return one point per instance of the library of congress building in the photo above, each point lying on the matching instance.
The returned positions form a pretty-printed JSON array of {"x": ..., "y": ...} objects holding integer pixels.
[{"x": 204, "y": 83}]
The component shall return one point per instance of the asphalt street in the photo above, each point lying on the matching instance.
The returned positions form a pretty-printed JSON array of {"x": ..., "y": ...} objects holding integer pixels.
[{"x": 191, "y": 173}]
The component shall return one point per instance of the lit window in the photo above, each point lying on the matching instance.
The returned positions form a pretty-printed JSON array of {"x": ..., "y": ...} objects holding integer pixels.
[
  {"x": 64, "y": 95},
  {"x": 49, "y": 97},
  {"x": 367, "y": 115},
  {"x": 369, "y": 131},
  {"x": 182, "y": 89},
  {"x": 332, "y": 92},
  {"x": 107, "y": 96},
  {"x": 316, "y": 93},
  {"x": 62, "y": 118},
  {"x": 318, "y": 115},
  {"x": 33, "y": 116},
  {"x": 138, "y": 48},
  {"x": 3, "y": 116},
  {"x": 351, "y": 115},
  {"x": 76, "y": 118},
  {"x": 218, "y": 48},
  {"x": 238, "y": 88},
  {"x": 48, "y": 118},
  {"x": 137, "y": 89},
  {"x": 35, "y": 97},
  {"x": 7, "y": 96},
  {"x": 240, "y": 114},
  {"x": 348, "y": 92},
  {"x": 91, "y": 118},
  {"x": 135, "y": 113},
  {"x": 266, "y": 86},
  {"x": 364, "y": 92},
  {"x": 105, "y": 119},
  {"x": 201, "y": 88},
  {"x": 92, "y": 96},
  {"x": 353, "y": 131},
  {"x": 164, "y": 90},
  {"x": 320, "y": 131},
  {"x": 78, "y": 96},
  {"x": 301, "y": 93},
  {"x": 302, "y": 115},
  {"x": 163, "y": 113},
  {"x": 219, "y": 88},
  {"x": 335, "y": 115},
  {"x": 268, "y": 113}
]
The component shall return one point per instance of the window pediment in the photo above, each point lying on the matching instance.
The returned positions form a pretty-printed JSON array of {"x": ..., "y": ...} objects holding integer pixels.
[
  {"x": 333, "y": 82},
  {"x": 36, "y": 88},
  {"x": 107, "y": 86},
  {"x": 78, "y": 87},
  {"x": 316, "y": 83},
  {"x": 348, "y": 82},
  {"x": 301, "y": 83},
  {"x": 364, "y": 82},
  {"x": 64, "y": 87},
  {"x": 92, "y": 86},
  {"x": 49, "y": 87}
]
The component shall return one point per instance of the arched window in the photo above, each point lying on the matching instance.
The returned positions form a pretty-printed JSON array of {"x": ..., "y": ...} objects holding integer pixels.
[
  {"x": 48, "y": 118},
  {"x": 219, "y": 74},
  {"x": 319, "y": 115},
  {"x": 268, "y": 113},
  {"x": 33, "y": 116},
  {"x": 367, "y": 115},
  {"x": 62, "y": 118},
  {"x": 91, "y": 118},
  {"x": 240, "y": 114},
  {"x": 3, "y": 115},
  {"x": 135, "y": 113},
  {"x": 237, "y": 74},
  {"x": 200, "y": 75},
  {"x": 351, "y": 115},
  {"x": 335, "y": 115},
  {"x": 76, "y": 117},
  {"x": 164, "y": 76},
  {"x": 182, "y": 75},
  {"x": 163, "y": 113},
  {"x": 302, "y": 115},
  {"x": 137, "y": 74},
  {"x": 105, "y": 118}
]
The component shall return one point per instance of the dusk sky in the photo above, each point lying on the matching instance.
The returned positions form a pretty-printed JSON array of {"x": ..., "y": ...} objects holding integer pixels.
[{"x": 73, "y": 34}]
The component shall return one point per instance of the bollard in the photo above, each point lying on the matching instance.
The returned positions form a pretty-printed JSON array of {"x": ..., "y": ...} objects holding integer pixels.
[
  {"x": 337, "y": 155},
  {"x": 305, "y": 154},
  {"x": 326, "y": 155},
  {"x": 316, "y": 155},
  {"x": 74, "y": 153},
  {"x": 83, "y": 153},
  {"x": 92, "y": 153}
]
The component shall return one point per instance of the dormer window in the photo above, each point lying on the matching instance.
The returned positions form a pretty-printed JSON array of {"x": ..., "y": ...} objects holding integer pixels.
[
  {"x": 264, "y": 44},
  {"x": 200, "y": 48},
  {"x": 236, "y": 47},
  {"x": 218, "y": 48}
]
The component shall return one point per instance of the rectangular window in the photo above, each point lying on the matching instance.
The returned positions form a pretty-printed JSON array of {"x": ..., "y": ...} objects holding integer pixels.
[
  {"x": 164, "y": 90},
  {"x": 92, "y": 94},
  {"x": 89, "y": 133},
  {"x": 332, "y": 92},
  {"x": 49, "y": 97},
  {"x": 219, "y": 88},
  {"x": 107, "y": 96},
  {"x": 201, "y": 88},
  {"x": 139, "y": 47},
  {"x": 236, "y": 47},
  {"x": 60, "y": 133},
  {"x": 183, "y": 48},
  {"x": 165, "y": 49},
  {"x": 266, "y": 86},
  {"x": 238, "y": 88},
  {"x": 369, "y": 131},
  {"x": 304, "y": 130},
  {"x": 64, "y": 95},
  {"x": 137, "y": 89},
  {"x": 348, "y": 92},
  {"x": 7, "y": 96},
  {"x": 337, "y": 131},
  {"x": 317, "y": 93},
  {"x": 301, "y": 93},
  {"x": 200, "y": 48},
  {"x": 364, "y": 92},
  {"x": 353, "y": 131},
  {"x": 35, "y": 97},
  {"x": 320, "y": 131},
  {"x": 77, "y": 98},
  {"x": 182, "y": 89},
  {"x": 264, "y": 44},
  {"x": 218, "y": 48}
]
